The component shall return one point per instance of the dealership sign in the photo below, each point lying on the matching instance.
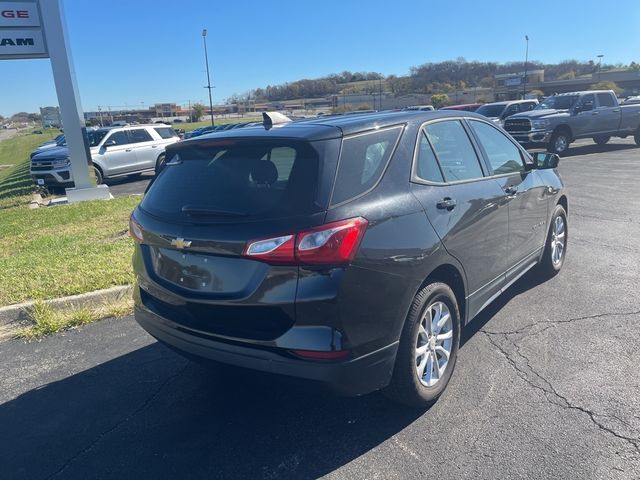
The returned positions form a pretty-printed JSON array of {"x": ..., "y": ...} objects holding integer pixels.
[{"x": 21, "y": 32}]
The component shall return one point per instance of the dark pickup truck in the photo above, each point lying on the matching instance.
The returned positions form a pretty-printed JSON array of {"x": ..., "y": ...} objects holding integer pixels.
[{"x": 561, "y": 119}]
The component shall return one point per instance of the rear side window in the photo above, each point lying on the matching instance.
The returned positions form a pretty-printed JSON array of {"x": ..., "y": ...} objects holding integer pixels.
[
  {"x": 231, "y": 180},
  {"x": 139, "y": 135},
  {"x": 166, "y": 132},
  {"x": 363, "y": 159},
  {"x": 453, "y": 148},
  {"x": 427, "y": 165},
  {"x": 606, "y": 100}
]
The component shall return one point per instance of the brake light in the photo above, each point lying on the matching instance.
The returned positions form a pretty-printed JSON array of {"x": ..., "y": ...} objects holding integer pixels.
[
  {"x": 332, "y": 243},
  {"x": 135, "y": 230}
]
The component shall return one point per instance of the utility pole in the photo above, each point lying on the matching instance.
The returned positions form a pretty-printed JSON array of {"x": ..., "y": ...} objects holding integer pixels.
[
  {"x": 599, "y": 65},
  {"x": 206, "y": 60},
  {"x": 526, "y": 60}
]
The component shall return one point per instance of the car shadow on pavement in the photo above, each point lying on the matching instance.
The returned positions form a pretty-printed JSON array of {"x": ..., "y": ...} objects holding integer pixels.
[
  {"x": 152, "y": 414},
  {"x": 575, "y": 151}
]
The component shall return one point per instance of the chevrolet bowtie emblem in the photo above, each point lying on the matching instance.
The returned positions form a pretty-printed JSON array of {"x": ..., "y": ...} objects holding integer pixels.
[{"x": 180, "y": 243}]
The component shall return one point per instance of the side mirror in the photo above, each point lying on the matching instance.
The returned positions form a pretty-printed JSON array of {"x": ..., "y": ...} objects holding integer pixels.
[
  {"x": 544, "y": 160},
  {"x": 109, "y": 143}
]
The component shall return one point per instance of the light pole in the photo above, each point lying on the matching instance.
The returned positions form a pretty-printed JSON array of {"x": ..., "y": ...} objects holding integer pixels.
[
  {"x": 206, "y": 61},
  {"x": 526, "y": 60},
  {"x": 599, "y": 65}
]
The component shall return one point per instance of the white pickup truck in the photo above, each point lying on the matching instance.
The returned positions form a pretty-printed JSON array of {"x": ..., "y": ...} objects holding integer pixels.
[{"x": 561, "y": 119}]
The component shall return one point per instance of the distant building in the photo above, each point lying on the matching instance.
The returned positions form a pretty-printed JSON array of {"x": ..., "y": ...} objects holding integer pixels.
[{"x": 50, "y": 117}]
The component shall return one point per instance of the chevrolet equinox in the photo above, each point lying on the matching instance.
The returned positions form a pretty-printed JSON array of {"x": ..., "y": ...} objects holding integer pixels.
[{"x": 349, "y": 250}]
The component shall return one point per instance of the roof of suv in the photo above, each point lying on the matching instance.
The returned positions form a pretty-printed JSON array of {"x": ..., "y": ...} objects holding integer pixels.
[{"x": 326, "y": 127}]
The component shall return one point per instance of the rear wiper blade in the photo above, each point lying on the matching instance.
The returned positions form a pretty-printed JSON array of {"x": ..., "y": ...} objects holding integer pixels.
[{"x": 195, "y": 210}]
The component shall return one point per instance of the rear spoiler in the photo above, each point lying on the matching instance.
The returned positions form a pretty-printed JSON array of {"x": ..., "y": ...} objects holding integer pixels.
[{"x": 269, "y": 119}]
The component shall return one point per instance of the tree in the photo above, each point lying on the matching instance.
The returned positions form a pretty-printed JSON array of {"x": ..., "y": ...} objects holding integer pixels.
[
  {"x": 198, "y": 111},
  {"x": 439, "y": 100},
  {"x": 538, "y": 93},
  {"x": 607, "y": 85}
]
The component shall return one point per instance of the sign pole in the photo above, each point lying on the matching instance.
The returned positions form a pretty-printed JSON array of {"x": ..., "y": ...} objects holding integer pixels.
[{"x": 69, "y": 101}]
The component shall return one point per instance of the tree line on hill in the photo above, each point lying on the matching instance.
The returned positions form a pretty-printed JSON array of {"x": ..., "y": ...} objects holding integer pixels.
[{"x": 429, "y": 78}]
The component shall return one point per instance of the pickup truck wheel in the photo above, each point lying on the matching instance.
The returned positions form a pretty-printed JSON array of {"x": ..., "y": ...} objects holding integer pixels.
[
  {"x": 555, "y": 249},
  {"x": 636, "y": 137},
  {"x": 559, "y": 142},
  {"x": 428, "y": 348},
  {"x": 98, "y": 173},
  {"x": 601, "y": 140}
]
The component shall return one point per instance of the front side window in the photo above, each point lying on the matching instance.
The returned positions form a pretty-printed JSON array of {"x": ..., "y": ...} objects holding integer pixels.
[
  {"x": 139, "y": 135},
  {"x": 512, "y": 110},
  {"x": 453, "y": 149},
  {"x": 119, "y": 138},
  {"x": 587, "y": 103},
  {"x": 503, "y": 155},
  {"x": 362, "y": 162}
]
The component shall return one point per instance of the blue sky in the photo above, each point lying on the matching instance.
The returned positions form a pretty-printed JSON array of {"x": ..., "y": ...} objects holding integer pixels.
[{"x": 140, "y": 52}]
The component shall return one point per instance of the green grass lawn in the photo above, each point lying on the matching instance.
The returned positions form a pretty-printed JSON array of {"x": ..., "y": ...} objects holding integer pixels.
[
  {"x": 56, "y": 251},
  {"x": 15, "y": 181}
]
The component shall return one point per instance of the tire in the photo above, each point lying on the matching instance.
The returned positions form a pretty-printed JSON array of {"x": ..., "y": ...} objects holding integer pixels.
[
  {"x": 98, "y": 174},
  {"x": 406, "y": 386},
  {"x": 636, "y": 137},
  {"x": 160, "y": 163},
  {"x": 551, "y": 263},
  {"x": 601, "y": 140},
  {"x": 560, "y": 141}
]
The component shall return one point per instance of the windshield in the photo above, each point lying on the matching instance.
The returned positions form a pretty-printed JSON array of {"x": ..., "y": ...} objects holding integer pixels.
[
  {"x": 61, "y": 142},
  {"x": 559, "y": 102},
  {"x": 95, "y": 137},
  {"x": 491, "y": 110}
]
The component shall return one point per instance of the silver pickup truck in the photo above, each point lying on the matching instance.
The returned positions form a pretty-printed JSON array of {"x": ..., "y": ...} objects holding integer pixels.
[
  {"x": 115, "y": 152},
  {"x": 561, "y": 119}
]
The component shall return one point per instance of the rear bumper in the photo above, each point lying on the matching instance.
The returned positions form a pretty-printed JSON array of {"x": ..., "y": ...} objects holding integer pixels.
[{"x": 357, "y": 376}]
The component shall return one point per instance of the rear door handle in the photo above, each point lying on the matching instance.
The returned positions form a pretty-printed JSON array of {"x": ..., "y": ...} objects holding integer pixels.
[
  {"x": 128, "y": 150},
  {"x": 154, "y": 146},
  {"x": 446, "y": 203},
  {"x": 510, "y": 190},
  {"x": 594, "y": 113}
]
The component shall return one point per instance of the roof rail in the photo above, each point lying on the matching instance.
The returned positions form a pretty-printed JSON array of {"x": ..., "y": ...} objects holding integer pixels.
[{"x": 269, "y": 119}]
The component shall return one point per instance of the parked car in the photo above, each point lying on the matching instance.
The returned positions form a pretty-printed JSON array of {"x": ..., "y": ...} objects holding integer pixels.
[
  {"x": 349, "y": 250},
  {"x": 499, "y": 111},
  {"x": 561, "y": 119},
  {"x": 632, "y": 100},
  {"x": 467, "y": 107},
  {"x": 422, "y": 108},
  {"x": 59, "y": 141},
  {"x": 115, "y": 152}
]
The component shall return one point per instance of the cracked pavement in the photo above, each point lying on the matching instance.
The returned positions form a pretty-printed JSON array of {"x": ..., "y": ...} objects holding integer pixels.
[{"x": 547, "y": 384}]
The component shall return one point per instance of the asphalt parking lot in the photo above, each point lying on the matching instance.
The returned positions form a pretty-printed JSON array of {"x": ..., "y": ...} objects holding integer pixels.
[{"x": 547, "y": 384}]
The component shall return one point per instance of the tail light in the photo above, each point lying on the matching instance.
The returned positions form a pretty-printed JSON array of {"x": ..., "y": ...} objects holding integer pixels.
[
  {"x": 332, "y": 243},
  {"x": 135, "y": 230}
]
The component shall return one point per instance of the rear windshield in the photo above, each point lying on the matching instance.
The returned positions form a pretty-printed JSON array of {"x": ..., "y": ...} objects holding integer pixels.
[{"x": 226, "y": 179}]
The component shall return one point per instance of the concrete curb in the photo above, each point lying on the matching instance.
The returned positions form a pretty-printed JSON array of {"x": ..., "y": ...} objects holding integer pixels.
[{"x": 14, "y": 315}]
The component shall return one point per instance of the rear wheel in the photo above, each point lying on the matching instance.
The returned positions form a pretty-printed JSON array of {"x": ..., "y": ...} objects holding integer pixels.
[
  {"x": 428, "y": 347},
  {"x": 98, "y": 174},
  {"x": 601, "y": 140},
  {"x": 160, "y": 163},
  {"x": 559, "y": 142},
  {"x": 556, "y": 247},
  {"x": 636, "y": 137}
]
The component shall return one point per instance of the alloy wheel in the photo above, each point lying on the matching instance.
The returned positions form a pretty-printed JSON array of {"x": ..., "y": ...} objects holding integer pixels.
[
  {"x": 434, "y": 343},
  {"x": 561, "y": 143},
  {"x": 558, "y": 236}
]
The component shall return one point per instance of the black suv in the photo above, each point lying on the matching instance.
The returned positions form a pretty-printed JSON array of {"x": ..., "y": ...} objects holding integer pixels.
[{"x": 349, "y": 250}]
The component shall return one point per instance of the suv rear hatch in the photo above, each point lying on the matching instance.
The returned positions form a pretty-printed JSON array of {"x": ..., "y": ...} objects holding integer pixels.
[{"x": 215, "y": 198}]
